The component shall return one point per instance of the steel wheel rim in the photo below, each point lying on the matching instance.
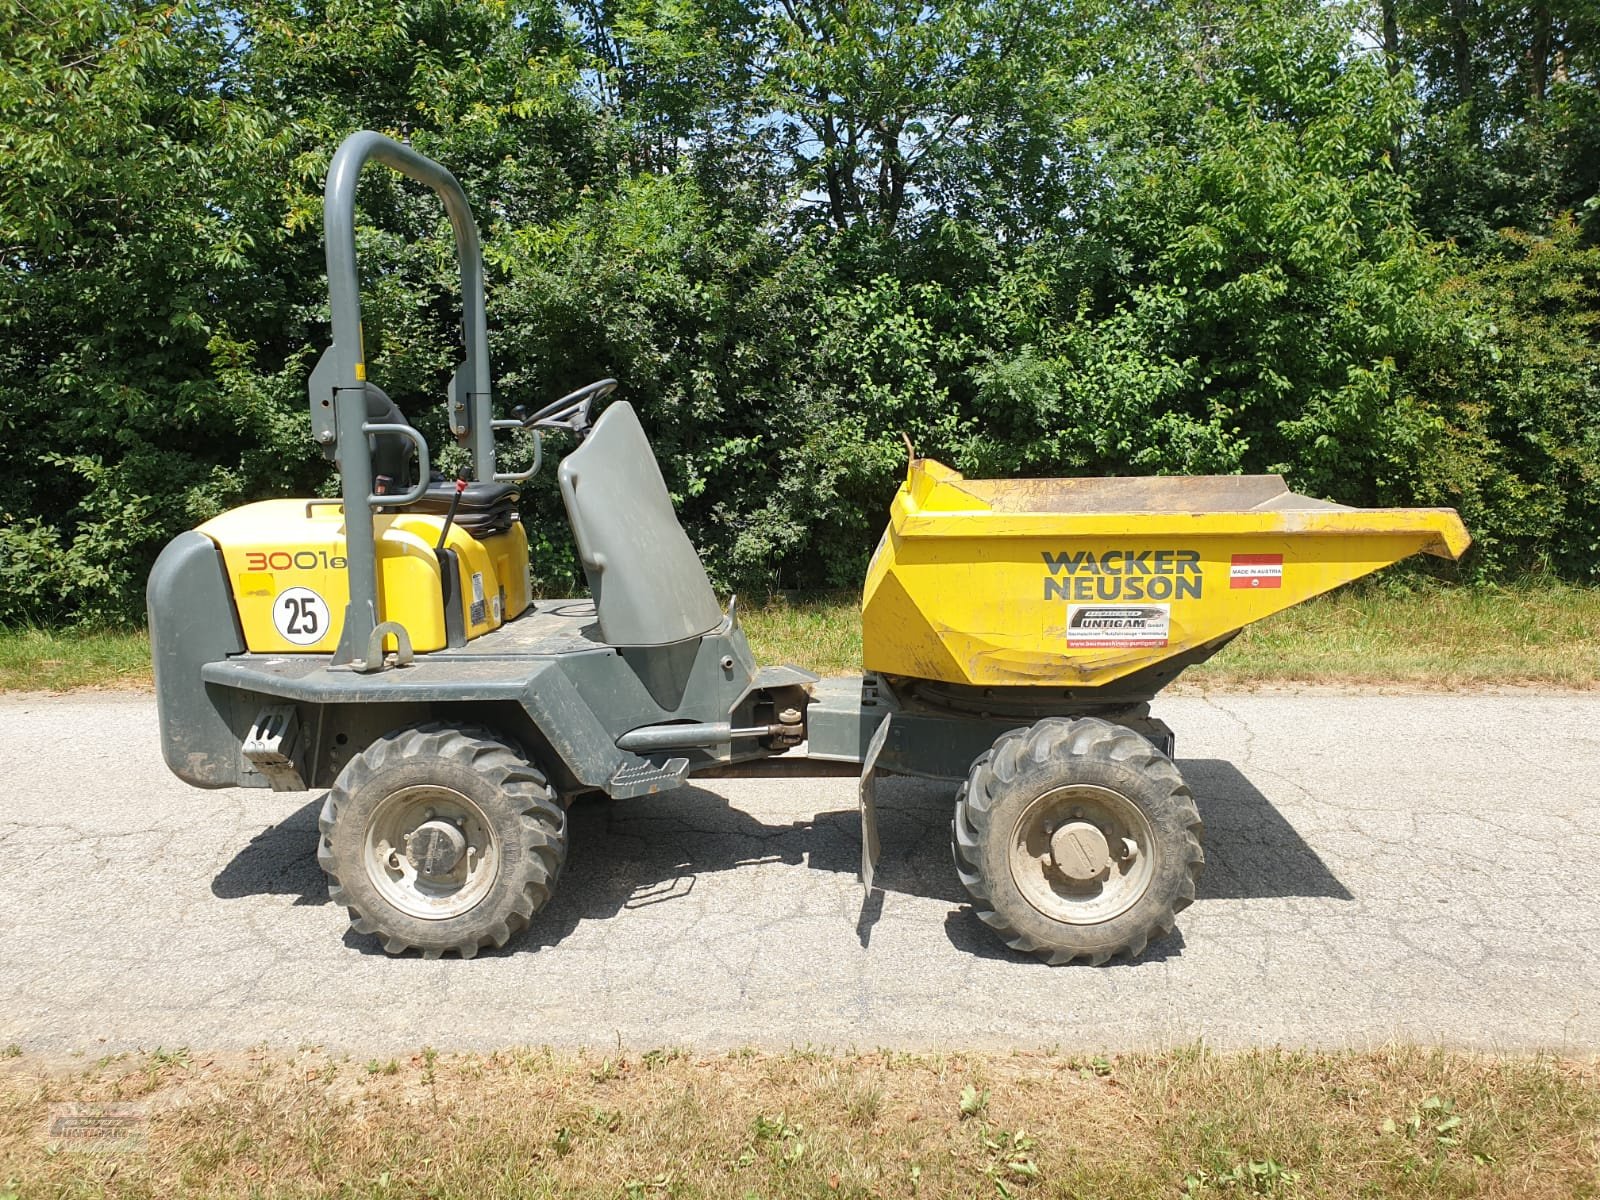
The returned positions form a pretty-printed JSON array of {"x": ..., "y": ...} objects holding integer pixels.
[
  {"x": 389, "y": 852},
  {"x": 1129, "y": 841}
]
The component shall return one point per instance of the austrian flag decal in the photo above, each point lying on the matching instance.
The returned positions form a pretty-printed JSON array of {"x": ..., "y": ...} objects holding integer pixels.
[{"x": 1256, "y": 571}]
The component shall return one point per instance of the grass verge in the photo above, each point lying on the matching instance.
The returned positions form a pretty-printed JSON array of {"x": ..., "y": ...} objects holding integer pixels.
[
  {"x": 1188, "y": 1123},
  {"x": 1433, "y": 637},
  {"x": 1373, "y": 635},
  {"x": 1370, "y": 635},
  {"x": 44, "y": 660}
]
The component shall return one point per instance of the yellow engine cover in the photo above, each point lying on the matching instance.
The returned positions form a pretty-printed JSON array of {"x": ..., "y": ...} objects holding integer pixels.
[
  {"x": 1078, "y": 582},
  {"x": 286, "y": 565}
]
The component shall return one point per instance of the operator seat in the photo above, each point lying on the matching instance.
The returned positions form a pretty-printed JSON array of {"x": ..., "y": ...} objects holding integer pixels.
[
  {"x": 485, "y": 508},
  {"x": 648, "y": 584}
]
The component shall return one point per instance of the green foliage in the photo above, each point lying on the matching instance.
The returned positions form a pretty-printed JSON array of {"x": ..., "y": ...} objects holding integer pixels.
[
  {"x": 1031, "y": 237},
  {"x": 1513, "y": 392},
  {"x": 136, "y": 230}
]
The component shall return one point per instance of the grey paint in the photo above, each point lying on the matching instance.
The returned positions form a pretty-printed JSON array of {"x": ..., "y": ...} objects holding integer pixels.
[
  {"x": 845, "y": 714},
  {"x": 191, "y": 615},
  {"x": 867, "y": 799},
  {"x": 648, "y": 584},
  {"x": 343, "y": 369},
  {"x": 579, "y": 694}
]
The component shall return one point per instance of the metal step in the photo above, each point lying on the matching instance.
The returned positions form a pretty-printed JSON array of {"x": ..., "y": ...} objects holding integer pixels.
[{"x": 646, "y": 776}]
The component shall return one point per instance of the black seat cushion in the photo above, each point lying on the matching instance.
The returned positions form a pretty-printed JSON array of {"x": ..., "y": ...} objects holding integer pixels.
[
  {"x": 484, "y": 510},
  {"x": 479, "y": 494}
]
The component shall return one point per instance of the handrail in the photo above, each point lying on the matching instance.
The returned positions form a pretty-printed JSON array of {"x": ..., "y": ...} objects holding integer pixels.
[
  {"x": 423, "y": 466},
  {"x": 538, "y": 455},
  {"x": 469, "y": 414}
]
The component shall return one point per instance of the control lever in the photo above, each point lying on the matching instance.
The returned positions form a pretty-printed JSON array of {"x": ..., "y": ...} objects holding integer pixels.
[{"x": 450, "y": 513}]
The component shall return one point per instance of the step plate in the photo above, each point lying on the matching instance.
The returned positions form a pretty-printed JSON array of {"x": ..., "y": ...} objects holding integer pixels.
[{"x": 645, "y": 777}]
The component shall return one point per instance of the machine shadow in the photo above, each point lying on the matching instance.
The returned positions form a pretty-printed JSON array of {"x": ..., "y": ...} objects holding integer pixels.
[
  {"x": 281, "y": 860},
  {"x": 1252, "y": 852},
  {"x": 630, "y": 854}
]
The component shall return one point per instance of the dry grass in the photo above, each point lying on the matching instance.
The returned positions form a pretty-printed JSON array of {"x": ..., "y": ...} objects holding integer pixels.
[
  {"x": 1398, "y": 1122},
  {"x": 1434, "y": 637}
]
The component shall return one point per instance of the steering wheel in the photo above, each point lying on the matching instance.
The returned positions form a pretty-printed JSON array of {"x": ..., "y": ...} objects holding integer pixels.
[{"x": 571, "y": 412}]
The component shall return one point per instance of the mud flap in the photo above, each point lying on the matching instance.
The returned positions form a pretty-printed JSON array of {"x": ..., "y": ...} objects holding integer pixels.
[{"x": 869, "y": 805}]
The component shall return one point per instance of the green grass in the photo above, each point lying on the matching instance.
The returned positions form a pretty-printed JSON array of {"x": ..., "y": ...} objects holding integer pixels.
[
  {"x": 45, "y": 660},
  {"x": 819, "y": 633},
  {"x": 1396, "y": 1122},
  {"x": 1367, "y": 635},
  {"x": 1433, "y": 637}
]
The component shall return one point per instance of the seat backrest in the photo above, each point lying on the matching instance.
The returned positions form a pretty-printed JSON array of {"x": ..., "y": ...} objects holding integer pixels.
[{"x": 649, "y": 587}]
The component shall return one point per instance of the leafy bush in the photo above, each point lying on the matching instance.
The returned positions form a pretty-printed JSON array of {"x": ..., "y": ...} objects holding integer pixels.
[{"x": 1032, "y": 238}]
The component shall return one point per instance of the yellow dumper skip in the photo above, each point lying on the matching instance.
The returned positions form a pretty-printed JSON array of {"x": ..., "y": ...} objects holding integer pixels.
[{"x": 1080, "y": 582}]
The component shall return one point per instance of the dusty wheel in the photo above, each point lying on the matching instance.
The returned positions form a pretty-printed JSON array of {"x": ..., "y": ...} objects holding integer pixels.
[
  {"x": 1077, "y": 839},
  {"x": 441, "y": 838}
]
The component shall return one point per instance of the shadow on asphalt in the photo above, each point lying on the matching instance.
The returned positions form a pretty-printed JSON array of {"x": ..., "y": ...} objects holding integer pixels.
[
  {"x": 635, "y": 853},
  {"x": 281, "y": 860},
  {"x": 1252, "y": 853}
]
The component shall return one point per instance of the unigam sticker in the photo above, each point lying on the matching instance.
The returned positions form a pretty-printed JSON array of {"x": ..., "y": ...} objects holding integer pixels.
[
  {"x": 1112, "y": 626},
  {"x": 301, "y": 616}
]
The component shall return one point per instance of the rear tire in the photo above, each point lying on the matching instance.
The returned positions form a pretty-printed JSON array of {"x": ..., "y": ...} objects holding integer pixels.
[
  {"x": 440, "y": 838},
  {"x": 1077, "y": 839}
]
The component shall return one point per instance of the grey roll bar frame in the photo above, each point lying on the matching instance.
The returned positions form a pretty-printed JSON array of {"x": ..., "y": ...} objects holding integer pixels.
[{"x": 343, "y": 369}]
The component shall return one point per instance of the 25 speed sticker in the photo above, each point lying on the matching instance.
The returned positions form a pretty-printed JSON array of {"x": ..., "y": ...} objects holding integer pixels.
[
  {"x": 300, "y": 615},
  {"x": 1100, "y": 626}
]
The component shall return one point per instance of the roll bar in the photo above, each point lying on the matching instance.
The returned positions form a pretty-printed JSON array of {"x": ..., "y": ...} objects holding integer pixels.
[{"x": 338, "y": 384}]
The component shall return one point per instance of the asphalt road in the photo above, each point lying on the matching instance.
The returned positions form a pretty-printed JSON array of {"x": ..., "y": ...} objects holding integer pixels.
[{"x": 1379, "y": 867}]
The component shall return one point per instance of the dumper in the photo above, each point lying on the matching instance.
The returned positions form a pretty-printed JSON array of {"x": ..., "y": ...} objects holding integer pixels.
[
  {"x": 386, "y": 647},
  {"x": 1014, "y": 632}
]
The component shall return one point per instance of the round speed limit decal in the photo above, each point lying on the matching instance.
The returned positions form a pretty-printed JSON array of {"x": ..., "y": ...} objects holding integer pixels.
[{"x": 300, "y": 615}]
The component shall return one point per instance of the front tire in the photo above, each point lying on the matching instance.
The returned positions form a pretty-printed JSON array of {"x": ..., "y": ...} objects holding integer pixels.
[
  {"x": 440, "y": 838},
  {"x": 1077, "y": 839}
]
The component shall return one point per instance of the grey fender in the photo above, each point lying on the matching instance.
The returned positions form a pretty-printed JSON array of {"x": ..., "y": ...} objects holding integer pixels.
[
  {"x": 192, "y": 623},
  {"x": 568, "y": 724}
]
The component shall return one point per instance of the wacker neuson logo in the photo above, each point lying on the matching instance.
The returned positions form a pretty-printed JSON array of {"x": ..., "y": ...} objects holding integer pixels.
[{"x": 1123, "y": 575}]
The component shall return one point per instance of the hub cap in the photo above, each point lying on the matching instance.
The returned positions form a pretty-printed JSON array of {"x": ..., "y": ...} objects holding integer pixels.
[
  {"x": 1079, "y": 851},
  {"x": 430, "y": 852},
  {"x": 435, "y": 848},
  {"x": 1082, "y": 854}
]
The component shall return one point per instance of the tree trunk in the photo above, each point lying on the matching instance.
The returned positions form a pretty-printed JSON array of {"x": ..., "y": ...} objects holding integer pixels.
[
  {"x": 1539, "y": 59},
  {"x": 1391, "y": 37},
  {"x": 836, "y": 199},
  {"x": 1391, "y": 62},
  {"x": 1461, "y": 14}
]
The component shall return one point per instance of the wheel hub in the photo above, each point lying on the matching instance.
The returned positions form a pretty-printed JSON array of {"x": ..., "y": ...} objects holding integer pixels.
[
  {"x": 1081, "y": 854},
  {"x": 1079, "y": 851},
  {"x": 435, "y": 847},
  {"x": 431, "y": 852}
]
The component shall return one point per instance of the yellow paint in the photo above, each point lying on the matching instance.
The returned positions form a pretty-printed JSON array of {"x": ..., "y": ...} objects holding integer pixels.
[
  {"x": 361, "y": 372},
  {"x": 274, "y": 546},
  {"x": 255, "y": 583},
  {"x": 975, "y": 582}
]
